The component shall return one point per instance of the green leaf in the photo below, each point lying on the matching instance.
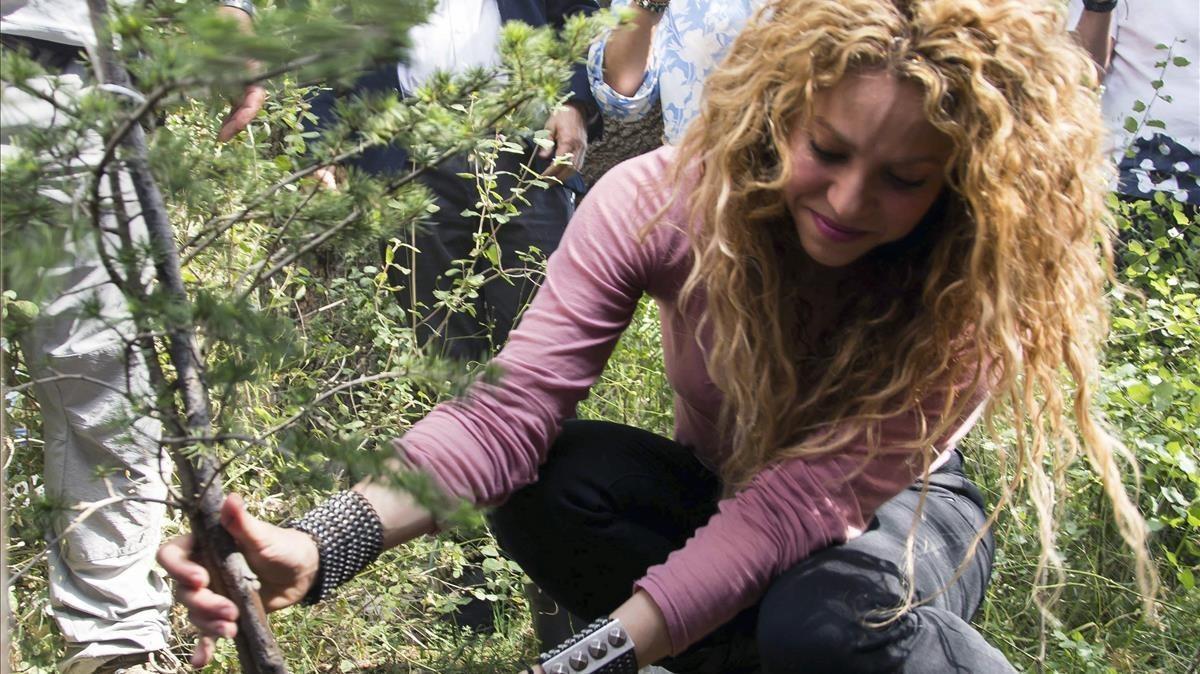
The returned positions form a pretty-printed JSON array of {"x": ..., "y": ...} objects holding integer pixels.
[
  {"x": 1138, "y": 106},
  {"x": 1163, "y": 395},
  {"x": 1186, "y": 578},
  {"x": 1140, "y": 393},
  {"x": 1181, "y": 61},
  {"x": 492, "y": 253},
  {"x": 1131, "y": 124}
]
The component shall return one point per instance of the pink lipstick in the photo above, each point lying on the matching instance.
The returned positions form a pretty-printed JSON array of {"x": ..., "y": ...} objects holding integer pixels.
[{"x": 833, "y": 231}]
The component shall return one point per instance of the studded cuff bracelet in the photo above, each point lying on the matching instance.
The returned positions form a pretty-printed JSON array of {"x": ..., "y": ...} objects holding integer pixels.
[
  {"x": 603, "y": 647},
  {"x": 349, "y": 536}
]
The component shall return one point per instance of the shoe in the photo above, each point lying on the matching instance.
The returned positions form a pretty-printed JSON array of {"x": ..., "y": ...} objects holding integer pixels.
[{"x": 155, "y": 662}]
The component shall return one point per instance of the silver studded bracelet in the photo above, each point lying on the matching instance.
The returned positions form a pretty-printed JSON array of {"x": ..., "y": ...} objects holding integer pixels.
[
  {"x": 603, "y": 647},
  {"x": 349, "y": 536}
]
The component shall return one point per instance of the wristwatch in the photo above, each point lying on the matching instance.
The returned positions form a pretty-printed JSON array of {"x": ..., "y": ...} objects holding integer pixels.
[
  {"x": 1100, "y": 6},
  {"x": 245, "y": 5},
  {"x": 653, "y": 6}
]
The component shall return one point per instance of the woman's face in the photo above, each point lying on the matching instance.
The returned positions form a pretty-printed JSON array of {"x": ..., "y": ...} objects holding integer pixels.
[{"x": 865, "y": 169}]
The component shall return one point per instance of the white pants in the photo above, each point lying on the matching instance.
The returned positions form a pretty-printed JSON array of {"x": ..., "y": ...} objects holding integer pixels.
[{"x": 106, "y": 593}]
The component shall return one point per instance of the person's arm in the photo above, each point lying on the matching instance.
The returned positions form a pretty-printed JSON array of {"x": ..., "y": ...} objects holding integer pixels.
[
  {"x": 277, "y": 553},
  {"x": 1093, "y": 31},
  {"x": 487, "y": 446},
  {"x": 323, "y": 108},
  {"x": 639, "y": 83},
  {"x": 646, "y": 626},
  {"x": 627, "y": 50},
  {"x": 245, "y": 108},
  {"x": 491, "y": 442}
]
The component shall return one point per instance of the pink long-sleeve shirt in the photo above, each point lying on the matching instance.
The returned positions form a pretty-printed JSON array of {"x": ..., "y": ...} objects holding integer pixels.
[{"x": 491, "y": 443}]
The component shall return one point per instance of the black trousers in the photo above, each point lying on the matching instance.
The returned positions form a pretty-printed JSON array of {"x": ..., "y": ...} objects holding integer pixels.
[
  {"x": 613, "y": 500},
  {"x": 480, "y": 325}
]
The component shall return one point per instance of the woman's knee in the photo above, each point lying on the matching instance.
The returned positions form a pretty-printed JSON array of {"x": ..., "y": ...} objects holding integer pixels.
[
  {"x": 829, "y": 620},
  {"x": 566, "y": 499}
]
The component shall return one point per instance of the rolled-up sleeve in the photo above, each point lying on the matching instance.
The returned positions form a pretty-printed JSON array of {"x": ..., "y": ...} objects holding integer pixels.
[{"x": 611, "y": 102}]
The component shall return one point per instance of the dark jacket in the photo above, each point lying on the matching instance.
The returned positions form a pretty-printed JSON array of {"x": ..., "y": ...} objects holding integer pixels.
[{"x": 394, "y": 159}]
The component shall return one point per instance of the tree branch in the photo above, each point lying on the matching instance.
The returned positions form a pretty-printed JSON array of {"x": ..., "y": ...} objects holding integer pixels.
[
  {"x": 281, "y": 426},
  {"x": 257, "y": 650},
  {"x": 228, "y": 221}
]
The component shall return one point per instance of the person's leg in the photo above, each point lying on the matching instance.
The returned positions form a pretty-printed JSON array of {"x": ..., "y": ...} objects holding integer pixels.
[
  {"x": 612, "y": 501},
  {"x": 540, "y": 225},
  {"x": 472, "y": 327},
  {"x": 817, "y": 616},
  {"x": 609, "y": 502},
  {"x": 452, "y": 324},
  {"x": 108, "y": 599},
  {"x": 107, "y": 595}
]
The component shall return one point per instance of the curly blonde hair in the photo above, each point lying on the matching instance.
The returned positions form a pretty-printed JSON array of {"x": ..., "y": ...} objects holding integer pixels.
[{"x": 1000, "y": 287}]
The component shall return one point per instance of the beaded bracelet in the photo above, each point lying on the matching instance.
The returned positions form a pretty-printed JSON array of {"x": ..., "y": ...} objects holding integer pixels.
[
  {"x": 349, "y": 536},
  {"x": 603, "y": 647},
  {"x": 654, "y": 6}
]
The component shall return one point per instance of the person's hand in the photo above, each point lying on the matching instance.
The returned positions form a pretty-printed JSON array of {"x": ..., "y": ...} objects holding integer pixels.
[
  {"x": 327, "y": 177},
  {"x": 568, "y": 131},
  {"x": 285, "y": 561},
  {"x": 245, "y": 108},
  {"x": 242, "y": 111}
]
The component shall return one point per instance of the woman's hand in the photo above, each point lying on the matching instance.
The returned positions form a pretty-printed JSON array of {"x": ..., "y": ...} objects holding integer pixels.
[{"x": 285, "y": 561}]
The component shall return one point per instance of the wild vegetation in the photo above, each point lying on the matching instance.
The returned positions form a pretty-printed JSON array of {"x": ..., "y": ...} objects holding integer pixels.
[{"x": 303, "y": 337}]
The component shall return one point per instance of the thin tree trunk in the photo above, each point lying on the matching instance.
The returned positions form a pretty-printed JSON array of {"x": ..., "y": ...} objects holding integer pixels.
[{"x": 257, "y": 650}]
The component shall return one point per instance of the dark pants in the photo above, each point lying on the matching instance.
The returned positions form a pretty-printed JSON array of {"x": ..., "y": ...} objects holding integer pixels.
[
  {"x": 613, "y": 500},
  {"x": 472, "y": 330}
]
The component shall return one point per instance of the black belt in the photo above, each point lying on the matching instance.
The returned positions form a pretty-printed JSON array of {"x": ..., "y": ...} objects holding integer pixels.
[{"x": 53, "y": 56}]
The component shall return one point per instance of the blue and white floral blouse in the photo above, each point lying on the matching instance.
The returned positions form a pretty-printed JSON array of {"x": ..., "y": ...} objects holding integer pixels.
[{"x": 689, "y": 42}]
